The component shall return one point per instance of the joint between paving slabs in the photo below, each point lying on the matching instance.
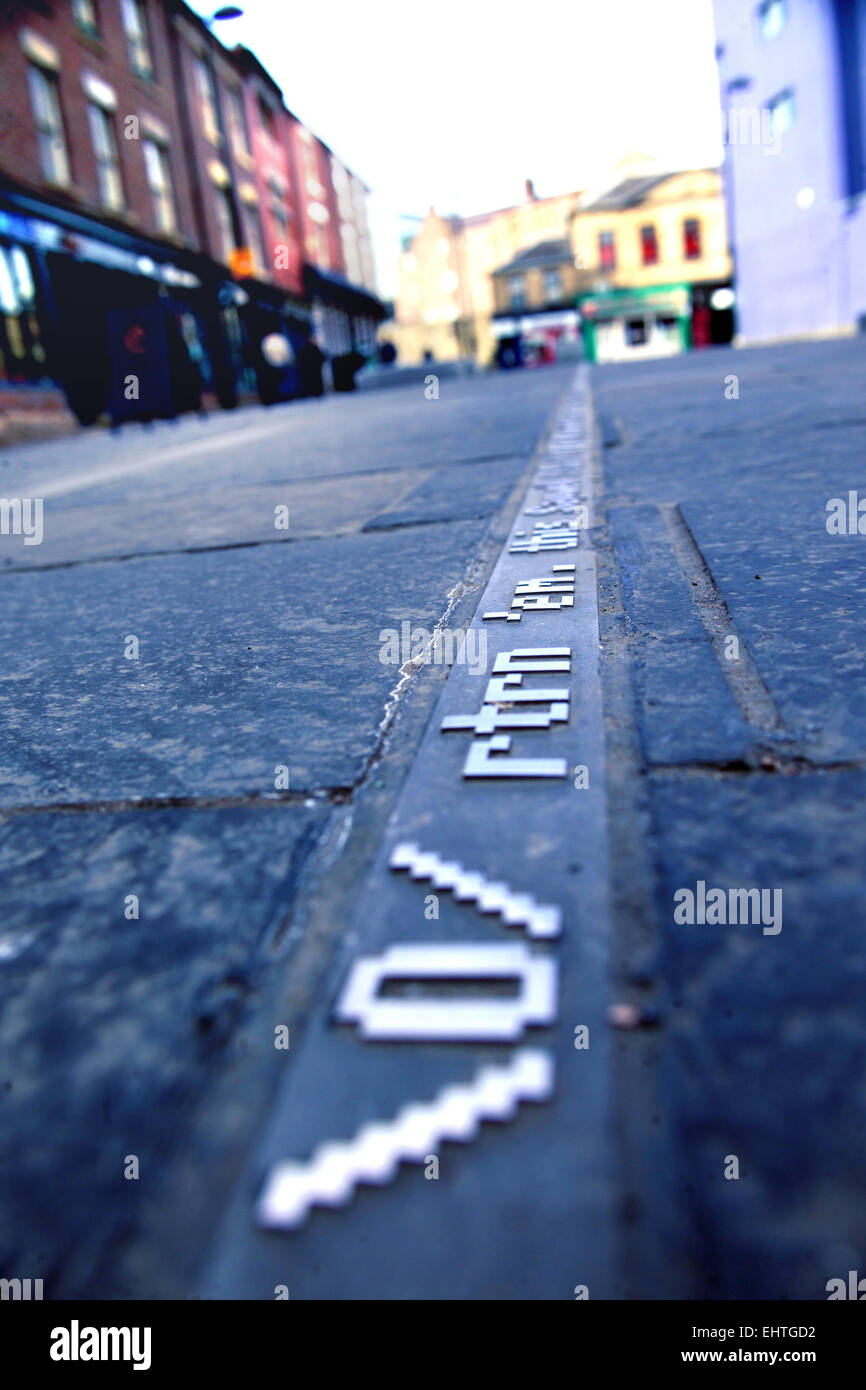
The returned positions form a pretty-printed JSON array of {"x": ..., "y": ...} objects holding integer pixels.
[{"x": 744, "y": 680}]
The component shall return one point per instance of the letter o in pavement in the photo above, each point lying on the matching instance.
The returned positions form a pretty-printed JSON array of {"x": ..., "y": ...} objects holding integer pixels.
[{"x": 449, "y": 1020}]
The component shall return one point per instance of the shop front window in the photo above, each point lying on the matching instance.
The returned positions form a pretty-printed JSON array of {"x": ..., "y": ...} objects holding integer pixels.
[
  {"x": 635, "y": 332},
  {"x": 22, "y": 356}
]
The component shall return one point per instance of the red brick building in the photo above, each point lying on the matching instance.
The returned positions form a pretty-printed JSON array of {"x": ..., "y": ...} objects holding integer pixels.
[
  {"x": 269, "y": 133},
  {"x": 160, "y": 208},
  {"x": 72, "y": 75}
]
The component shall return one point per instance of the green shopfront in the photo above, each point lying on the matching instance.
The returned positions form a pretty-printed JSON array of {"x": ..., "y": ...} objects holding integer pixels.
[{"x": 622, "y": 324}]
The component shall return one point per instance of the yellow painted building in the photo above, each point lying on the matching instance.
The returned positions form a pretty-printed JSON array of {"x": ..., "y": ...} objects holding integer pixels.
[
  {"x": 654, "y": 253},
  {"x": 666, "y": 203},
  {"x": 445, "y": 298},
  {"x": 650, "y": 231}
]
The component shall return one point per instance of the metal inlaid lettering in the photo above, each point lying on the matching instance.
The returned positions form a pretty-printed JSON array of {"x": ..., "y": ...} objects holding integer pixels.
[
  {"x": 549, "y": 593},
  {"x": 482, "y": 761},
  {"x": 545, "y": 536},
  {"x": 449, "y": 1020},
  {"x": 490, "y": 718},
  {"x": 373, "y": 1156},
  {"x": 541, "y": 920},
  {"x": 507, "y": 690},
  {"x": 527, "y": 659}
]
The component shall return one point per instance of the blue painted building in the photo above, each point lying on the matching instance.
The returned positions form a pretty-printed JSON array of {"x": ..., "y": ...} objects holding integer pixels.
[{"x": 793, "y": 98}]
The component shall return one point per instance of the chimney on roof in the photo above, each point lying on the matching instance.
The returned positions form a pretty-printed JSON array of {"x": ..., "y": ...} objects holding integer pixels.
[{"x": 530, "y": 190}]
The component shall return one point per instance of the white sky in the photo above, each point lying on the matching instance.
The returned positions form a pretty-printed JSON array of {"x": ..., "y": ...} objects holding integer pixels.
[{"x": 455, "y": 102}]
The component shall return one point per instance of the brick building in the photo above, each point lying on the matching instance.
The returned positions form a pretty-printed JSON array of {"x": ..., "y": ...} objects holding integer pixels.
[{"x": 159, "y": 210}]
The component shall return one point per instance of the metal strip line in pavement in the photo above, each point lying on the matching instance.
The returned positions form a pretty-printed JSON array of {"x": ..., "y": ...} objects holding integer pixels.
[{"x": 504, "y": 809}]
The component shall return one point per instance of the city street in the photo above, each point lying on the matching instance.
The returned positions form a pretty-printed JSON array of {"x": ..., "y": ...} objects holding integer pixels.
[{"x": 214, "y": 757}]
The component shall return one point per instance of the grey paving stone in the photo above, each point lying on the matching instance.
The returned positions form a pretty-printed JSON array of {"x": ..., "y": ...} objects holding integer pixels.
[
  {"x": 249, "y": 659},
  {"x": 111, "y": 1028},
  {"x": 765, "y": 1033},
  {"x": 687, "y": 712}
]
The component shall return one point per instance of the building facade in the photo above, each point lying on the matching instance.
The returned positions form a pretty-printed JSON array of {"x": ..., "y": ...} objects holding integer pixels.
[
  {"x": 534, "y": 299},
  {"x": 155, "y": 225},
  {"x": 653, "y": 261},
  {"x": 793, "y": 93},
  {"x": 445, "y": 305}
]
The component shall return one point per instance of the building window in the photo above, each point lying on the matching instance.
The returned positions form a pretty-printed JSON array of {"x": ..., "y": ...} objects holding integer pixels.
[
  {"x": 277, "y": 210},
  {"x": 692, "y": 239},
  {"x": 253, "y": 233},
  {"x": 237, "y": 123},
  {"x": 607, "y": 250},
  {"x": 107, "y": 159},
  {"x": 552, "y": 284},
  {"x": 84, "y": 14},
  {"x": 268, "y": 118},
  {"x": 782, "y": 112},
  {"x": 45, "y": 100},
  {"x": 207, "y": 101},
  {"x": 225, "y": 223},
  {"x": 159, "y": 181},
  {"x": 516, "y": 291},
  {"x": 635, "y": 332},
  {"x": 135, "y": 28},
  {"x": 773, "y": 16},
  {"x": 22, "y": 356},
  {"x": 649, "y": 246}
]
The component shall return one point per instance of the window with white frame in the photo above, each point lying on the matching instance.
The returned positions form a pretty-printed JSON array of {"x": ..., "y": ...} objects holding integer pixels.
[
  {"x": 45, "y": 100},
  {"x": 159, "y": 182},
  {"x": 553, "y": 283},
  {"x": 107, "y": 158},
  {"x": 135, "y": 28},
  {"x": 225, "y": 225},
  {"x": 84, "y": 14},
  {"x": 207, "y": 101},
  {"x": 237, "y": 122},
  {"x": 516, "y": 288},
  {"x": 783, "y": 111},
  {"x": 277, "y": 210},
  {"x": 773, "y": 16},
  {"x": 253, "y": 235}
]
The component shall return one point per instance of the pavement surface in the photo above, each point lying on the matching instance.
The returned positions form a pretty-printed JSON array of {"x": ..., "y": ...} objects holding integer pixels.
[{"x": 198, "y": 728}]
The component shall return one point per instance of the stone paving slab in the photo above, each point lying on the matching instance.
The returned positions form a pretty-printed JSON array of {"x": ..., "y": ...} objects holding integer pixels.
[
  {"x": 764, "y": 1040},
  {"x": 465, "y": 490},
  {"x": 248, "y": 660},
  {"x": 795, "y": 593},
  {"x": 111, "y": 1027},
  {"x": 687, "y": 712}
]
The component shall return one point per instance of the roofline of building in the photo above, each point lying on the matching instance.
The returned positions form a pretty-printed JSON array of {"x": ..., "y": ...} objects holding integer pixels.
[
  {"x": 661, "y": 179},
  {"x": 475, "y": 218},
  {"x": 243, "y": 58}
]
